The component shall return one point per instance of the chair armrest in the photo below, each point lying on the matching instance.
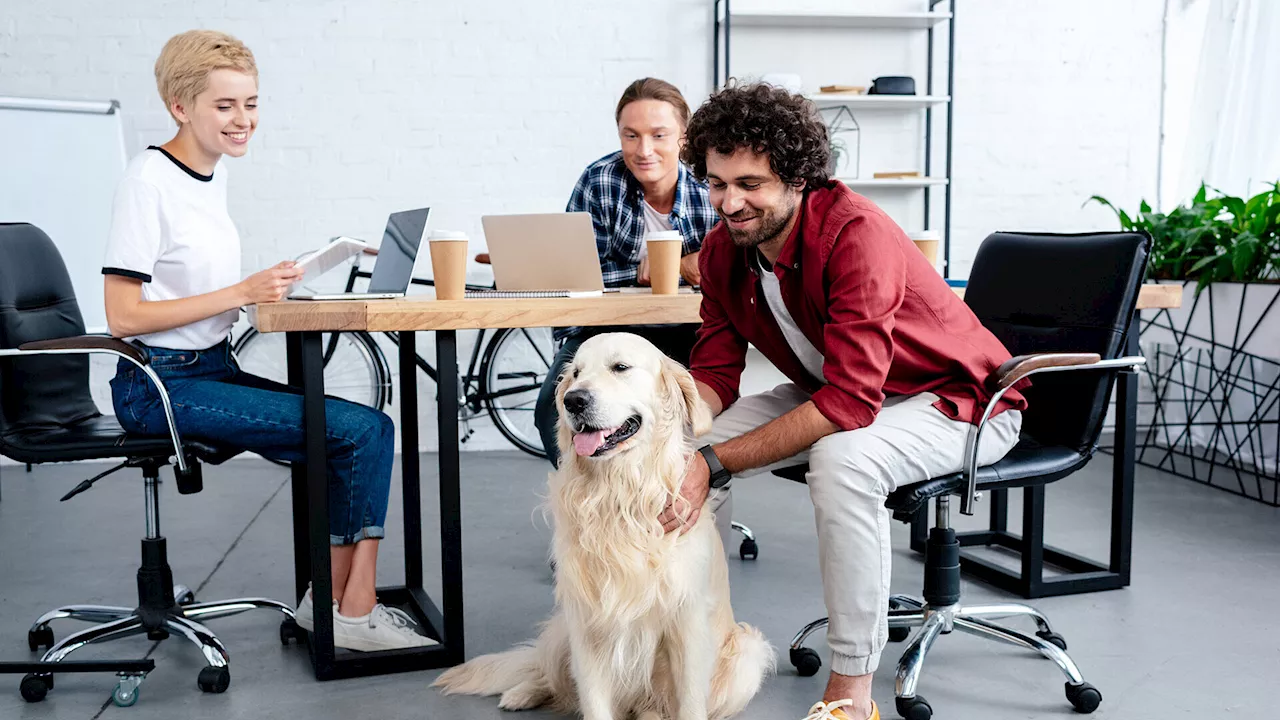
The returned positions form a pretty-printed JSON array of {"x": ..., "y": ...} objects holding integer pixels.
[
  {"x": 89, "y": 342},
  {"x": 1009, "y": 373},
  {"x": 1016, "y": 368}
]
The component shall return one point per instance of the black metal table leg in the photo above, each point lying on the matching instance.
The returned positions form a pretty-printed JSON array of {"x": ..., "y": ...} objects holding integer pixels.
[
  {"x": 450, "y": 494},
  {"x": 315, "y": 472}
]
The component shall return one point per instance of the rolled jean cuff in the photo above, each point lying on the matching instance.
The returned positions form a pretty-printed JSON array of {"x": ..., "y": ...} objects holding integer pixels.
[
  {"x": 854, "y": 665},
  {"x": 373, "y": 532}
]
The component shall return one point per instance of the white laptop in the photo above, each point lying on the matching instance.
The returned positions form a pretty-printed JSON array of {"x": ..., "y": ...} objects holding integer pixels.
[
  {"x": 393, "y": 270},
  {"x": 542, "y": 255}
]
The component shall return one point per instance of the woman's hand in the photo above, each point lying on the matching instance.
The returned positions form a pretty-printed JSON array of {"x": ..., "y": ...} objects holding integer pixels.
[
  {"x": 271, "y": 284},
  {"x": 642, "y": 272}
]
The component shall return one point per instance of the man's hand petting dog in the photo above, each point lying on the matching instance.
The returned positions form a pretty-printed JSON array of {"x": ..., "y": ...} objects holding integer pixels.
[{"x": 683, "y": 511}]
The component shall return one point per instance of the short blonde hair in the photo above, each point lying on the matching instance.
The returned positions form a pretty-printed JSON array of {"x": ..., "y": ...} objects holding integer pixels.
[{"x": 182, "y": 70}]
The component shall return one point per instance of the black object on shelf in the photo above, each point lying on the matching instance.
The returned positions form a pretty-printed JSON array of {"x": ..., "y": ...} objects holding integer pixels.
[{"x": 893, "y": 85}]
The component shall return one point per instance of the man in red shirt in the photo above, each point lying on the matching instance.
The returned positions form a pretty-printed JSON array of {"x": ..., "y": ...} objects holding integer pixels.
[{"x": 886, "y": 363}]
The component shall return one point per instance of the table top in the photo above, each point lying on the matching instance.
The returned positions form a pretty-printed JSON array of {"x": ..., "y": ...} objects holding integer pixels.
[{"x": 422, "y": 312}]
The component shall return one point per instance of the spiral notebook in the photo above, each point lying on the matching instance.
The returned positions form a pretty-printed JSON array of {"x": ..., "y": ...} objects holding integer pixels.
[{"x": 533, "y": 293}]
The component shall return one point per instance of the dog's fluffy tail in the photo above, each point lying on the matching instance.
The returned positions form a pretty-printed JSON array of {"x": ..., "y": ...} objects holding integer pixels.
[
  {"x": 491, "y": 674},
  {"x": 746, "y": 659}
]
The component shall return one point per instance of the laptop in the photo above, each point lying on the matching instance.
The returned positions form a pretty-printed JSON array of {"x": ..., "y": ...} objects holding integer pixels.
[
  {"x": 393, "y": 270},
  {"x": 542, "y": 255}
]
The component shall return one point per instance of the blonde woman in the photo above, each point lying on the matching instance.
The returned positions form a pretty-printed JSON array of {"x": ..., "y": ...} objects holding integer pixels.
[{"x": 174, "y": 288}]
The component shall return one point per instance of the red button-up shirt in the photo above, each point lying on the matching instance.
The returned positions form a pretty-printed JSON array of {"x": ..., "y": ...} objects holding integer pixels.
[{"x": 885, "y": 322}]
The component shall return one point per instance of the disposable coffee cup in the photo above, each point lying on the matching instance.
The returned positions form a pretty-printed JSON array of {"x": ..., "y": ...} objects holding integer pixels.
[
  {"x": 927, "y": 241},
  {"x": 449, "y": 263},
  {"x": 664, "y": 261}
]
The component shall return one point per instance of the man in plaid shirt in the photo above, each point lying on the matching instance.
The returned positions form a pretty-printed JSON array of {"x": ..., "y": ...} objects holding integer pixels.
[{"x": 641, "y": 188}]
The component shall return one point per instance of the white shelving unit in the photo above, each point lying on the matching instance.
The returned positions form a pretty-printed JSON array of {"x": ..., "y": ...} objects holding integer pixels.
[
  {"x": 903, "y": 183},
  {"x": 726, "y": 19},
  {"x": 880, "y": 102},
  {"x": 908, "y": 21}
]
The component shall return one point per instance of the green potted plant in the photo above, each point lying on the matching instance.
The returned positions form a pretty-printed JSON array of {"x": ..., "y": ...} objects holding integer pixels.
[{"x": 1213, "y": 365}]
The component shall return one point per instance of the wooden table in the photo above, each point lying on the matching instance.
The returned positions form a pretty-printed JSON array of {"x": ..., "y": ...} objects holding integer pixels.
[{"x": 304, "y": 321}]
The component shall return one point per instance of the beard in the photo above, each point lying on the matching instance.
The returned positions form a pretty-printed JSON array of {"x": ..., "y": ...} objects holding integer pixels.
[{"x": 772, "y": 222}]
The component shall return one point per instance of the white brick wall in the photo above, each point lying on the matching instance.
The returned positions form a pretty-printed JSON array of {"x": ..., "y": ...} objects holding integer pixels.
[{"x": 496, "y": 106}]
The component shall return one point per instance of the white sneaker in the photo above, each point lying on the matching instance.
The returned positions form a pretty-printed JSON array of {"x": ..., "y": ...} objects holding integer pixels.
[
  {"x": 382, "y": 629},
  {"x": 305, "y": 615}
]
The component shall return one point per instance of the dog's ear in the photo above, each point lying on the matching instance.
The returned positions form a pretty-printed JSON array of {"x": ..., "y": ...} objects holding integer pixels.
[{"x": 682, "y": 390}]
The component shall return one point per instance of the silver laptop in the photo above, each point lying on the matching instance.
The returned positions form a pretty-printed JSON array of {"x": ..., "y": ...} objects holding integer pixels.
[
  {"x": 542, "y": 255},
  {"x": 393, "y": 270}
]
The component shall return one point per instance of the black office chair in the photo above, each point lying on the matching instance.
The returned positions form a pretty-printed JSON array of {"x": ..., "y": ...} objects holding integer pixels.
[
  {"x": 1058, "y": 303},
  {"x": 48, "y": 415}
]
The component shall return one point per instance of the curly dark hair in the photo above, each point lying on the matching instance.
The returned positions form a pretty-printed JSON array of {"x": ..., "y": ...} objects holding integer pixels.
[{"x": 767, "y": 119}]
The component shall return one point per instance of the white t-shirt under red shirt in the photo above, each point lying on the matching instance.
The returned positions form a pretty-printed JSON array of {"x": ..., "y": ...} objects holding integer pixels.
[{"x": 170, "y": 229}]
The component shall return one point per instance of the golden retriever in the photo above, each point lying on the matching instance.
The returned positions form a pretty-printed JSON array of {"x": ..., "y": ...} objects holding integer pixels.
[{"x": 642, "y": 628}]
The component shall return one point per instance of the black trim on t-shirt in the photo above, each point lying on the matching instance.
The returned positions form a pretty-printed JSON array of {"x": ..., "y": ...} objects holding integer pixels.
[
  {"x": 127, "y": 273},
  {"x": 187, "y": 170}
]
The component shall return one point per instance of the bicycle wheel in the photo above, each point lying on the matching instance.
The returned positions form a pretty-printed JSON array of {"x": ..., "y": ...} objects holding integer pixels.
[
  {"x": 515, "y": 364},
  {"x": 355, "y": 368}
]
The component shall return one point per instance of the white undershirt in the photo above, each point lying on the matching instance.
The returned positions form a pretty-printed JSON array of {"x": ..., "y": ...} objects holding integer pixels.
[
  {"x": 808, "y": 355},
  {"x": 170, "y": 229},
  {"x": 654, "y": 221}
]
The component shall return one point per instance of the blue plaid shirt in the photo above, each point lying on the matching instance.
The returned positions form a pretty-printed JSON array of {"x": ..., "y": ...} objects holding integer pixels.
[{"x": 614, "y": 198}]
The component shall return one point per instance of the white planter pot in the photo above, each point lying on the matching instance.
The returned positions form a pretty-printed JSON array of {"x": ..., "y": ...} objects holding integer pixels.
[{"x": 1213, "y": 380}]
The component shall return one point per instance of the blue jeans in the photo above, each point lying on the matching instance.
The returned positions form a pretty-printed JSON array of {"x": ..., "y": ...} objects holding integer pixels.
[{"x": 214, "y": 400}]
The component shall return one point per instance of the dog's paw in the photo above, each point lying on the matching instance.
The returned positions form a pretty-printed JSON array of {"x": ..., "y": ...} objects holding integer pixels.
[{"x": 525, "y": 696}]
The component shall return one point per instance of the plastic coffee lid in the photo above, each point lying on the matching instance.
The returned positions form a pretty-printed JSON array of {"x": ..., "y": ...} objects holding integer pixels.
[
  {"x": 447, "y": 235},
  {"x": 925, "y": 235},
  {"x": 664, "y": 235}
]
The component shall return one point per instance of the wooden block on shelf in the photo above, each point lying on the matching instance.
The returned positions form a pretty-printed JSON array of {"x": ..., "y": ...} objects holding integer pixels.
[
  {"x": 855, "y": 89},
  {"x": 897, "y": 175}
]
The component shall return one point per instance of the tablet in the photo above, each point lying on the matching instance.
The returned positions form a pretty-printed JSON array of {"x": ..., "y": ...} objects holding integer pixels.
[{"x": 327, "y": 258}]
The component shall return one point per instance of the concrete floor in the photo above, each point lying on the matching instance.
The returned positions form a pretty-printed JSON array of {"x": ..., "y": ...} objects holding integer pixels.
[{"x": 1191, "y": 637}]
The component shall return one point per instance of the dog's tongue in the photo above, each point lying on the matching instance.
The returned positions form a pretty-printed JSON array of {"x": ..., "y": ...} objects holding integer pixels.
[{"x": 586, "y": 443}]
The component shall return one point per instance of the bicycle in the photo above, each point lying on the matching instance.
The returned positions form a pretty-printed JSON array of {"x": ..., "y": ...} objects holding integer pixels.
[{"x": 502, "y": 379}]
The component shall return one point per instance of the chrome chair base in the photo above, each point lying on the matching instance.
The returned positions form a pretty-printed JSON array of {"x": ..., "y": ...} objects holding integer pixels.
[
  {"x": 185, "y": 619},
  {"x": 934, "y": 622}
]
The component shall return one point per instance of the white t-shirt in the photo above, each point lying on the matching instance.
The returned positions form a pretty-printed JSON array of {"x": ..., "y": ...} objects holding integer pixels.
[
  {"x": 809, "y": 356},
  {"x": 170, "y": 229},
  {"x": 654, "y": 221}
]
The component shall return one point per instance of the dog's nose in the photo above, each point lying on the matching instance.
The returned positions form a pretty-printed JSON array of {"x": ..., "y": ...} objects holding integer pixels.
[{"x": 576, "y": 401}]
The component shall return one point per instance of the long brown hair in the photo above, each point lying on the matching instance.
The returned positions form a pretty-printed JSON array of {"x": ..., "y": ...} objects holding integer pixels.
[{"x": 654, "y": 89}]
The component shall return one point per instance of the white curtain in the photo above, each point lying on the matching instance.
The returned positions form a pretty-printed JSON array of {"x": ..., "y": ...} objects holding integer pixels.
[{"x": 1221, "y": 97}]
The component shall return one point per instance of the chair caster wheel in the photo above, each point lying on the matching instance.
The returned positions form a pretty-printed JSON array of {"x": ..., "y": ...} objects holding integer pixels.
[
  {"x": 748, "y": 550},
  {"x": 127, "y": 690},
  {"x": 1053, "y": 637},
  {"x": 35, "y": 687},
  {"x": 914, "y": 708},
  {"x": 183, "y": 595},
  {"x": 40, "y": 638},
  {"x": 1084, "y": 697},
  {"x": 214, "y": 679},
  {"x": 805, "y": 661},
  {"x": 289, "y": 630}
]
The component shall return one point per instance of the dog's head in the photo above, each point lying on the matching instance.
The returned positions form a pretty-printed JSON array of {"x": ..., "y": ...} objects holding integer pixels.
[{"x": 620, "y": 392}]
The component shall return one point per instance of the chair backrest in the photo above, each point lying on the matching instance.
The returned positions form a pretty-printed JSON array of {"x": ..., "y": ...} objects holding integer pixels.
[
  {"x": 1040, "y": 292},
  {"x": 37, "y": 302}
]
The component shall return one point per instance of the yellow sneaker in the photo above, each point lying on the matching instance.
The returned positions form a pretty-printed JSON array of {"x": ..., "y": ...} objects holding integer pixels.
[{"x": 833, "y": 711}]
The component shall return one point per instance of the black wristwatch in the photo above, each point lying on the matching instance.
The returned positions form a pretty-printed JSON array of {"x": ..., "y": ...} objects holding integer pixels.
[{"x": 719, "y": 476}]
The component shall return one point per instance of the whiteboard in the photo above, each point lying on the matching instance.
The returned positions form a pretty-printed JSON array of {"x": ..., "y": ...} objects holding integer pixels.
[{"x": 60, "y": 161}]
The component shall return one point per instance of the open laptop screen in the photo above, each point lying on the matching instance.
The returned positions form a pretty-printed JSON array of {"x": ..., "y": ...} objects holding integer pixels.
[{"x": 399, "y": 250}]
